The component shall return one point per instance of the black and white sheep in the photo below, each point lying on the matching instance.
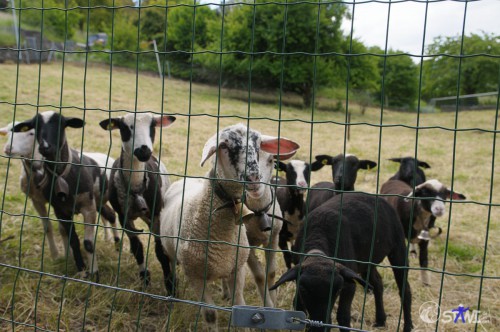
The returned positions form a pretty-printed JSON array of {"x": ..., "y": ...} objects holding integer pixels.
[
  {"x": 139, "y": 180},
  {"x": 202, "y": 224},
  {"x": 353, "y": 229},
  {"x": 25, "y": 145},
  {"x": 344, "y": 173},
  {"x": 411, "y": 172},
  {"x": 67, "y": 182},
  {"x": 414, "y": 208},
  {"x": 290, "y": 193}
]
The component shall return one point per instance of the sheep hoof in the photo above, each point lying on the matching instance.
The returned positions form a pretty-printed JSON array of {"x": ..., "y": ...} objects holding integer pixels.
[
  {"x": 95, "y": 276},
  {"x": 170, "y": 286},
  {"x": 145, "y": 276},
  {"x": 379, "y": 325}
]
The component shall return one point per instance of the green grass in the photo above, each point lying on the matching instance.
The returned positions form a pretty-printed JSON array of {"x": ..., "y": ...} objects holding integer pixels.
[{"x": 462, "y": 158}]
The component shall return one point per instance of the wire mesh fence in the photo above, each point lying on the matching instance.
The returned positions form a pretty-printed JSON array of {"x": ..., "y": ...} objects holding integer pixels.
[{"x": 85, "y": 117}]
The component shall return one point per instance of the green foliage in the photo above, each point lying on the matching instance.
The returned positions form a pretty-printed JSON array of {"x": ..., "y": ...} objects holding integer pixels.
[
  {"x": 400, "y": 75},
  {"x": 180, "y": 31},
  {"x": 61, "y": 22},
  {"x": 124, "y": 40},
  {"x": 283, "y": 36},
  {"x": 478, "y": 71},
  {"x": 98, "y": 14},
  {"x": 363, "y": 69},
  {"x": 7, "y": 38}
]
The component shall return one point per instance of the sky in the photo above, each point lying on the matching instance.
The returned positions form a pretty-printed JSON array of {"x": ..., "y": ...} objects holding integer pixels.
[{"x": 406, "y": 24}]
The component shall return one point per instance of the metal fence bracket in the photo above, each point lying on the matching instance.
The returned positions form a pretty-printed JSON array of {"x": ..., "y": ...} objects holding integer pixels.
[{"x": 267, "y": 318}]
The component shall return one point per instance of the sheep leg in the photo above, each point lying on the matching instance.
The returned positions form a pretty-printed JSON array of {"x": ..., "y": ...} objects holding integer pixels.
[
  {"x": 378, "y": 293},
  {"x": 345, "y": 302},
  {"x": 68, "y": 227},
  {"x": 237, "y": 286},
  {"x": 271, "y": 267},
  {"x": 47, "y": 226},
  {"x": 135, "y": 247},
  {"x": 64, "y": 236},
  {"x": 209, "y": 314},
  {"x": 260, "y": 278},
  {"x": 397, "y": 259},
  {"x": 423, "y": 256},
  {"x": 109, "y": 214},
  {"x": 283, "y": 244},
  {"x": 226, "y": 290},
  {"x": 165, "y": 266},
  {"x": 89, "y": 212}
]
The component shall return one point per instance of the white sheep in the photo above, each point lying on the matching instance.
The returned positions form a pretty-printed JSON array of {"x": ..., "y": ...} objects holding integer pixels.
[
  {"x": 202, "y": 225},
  {"x": 263, "y": 228}
]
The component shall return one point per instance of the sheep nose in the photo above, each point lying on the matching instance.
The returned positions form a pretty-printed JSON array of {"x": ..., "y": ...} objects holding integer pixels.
[
  {"x": 302, "y": 184},
  {"x": 46, "y": 149},
  {"x": 6, "y": 149},
  {"x": 252, "y": 178},
  {"x": 143, "y": 153}
]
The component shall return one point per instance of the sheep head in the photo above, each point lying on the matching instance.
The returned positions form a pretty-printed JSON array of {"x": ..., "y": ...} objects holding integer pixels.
[
  {"x": 298, "y": 174},
  {"x": 49, "y": 131},
  {"x": 436, "y": 194},
  {"x": 344, "y": 169},
  {"x": 319, "y": 282},
  {"x": 237, "y": 149},
  {"x": 137, "y": 131}
]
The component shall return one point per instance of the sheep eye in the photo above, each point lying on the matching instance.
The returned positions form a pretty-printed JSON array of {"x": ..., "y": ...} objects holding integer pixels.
[{"x": 132, "y": 127}]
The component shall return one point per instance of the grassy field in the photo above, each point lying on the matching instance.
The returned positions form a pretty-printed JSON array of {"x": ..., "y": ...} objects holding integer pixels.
[{"x": 462, "y": 158}]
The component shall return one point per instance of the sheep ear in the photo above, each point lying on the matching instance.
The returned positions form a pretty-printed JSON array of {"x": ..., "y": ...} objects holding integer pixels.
[
  {"x": 423, "y": 164},
  {"x": 280, "y": 166},
  {"x": 396, "y": 160},
  {"x": 4, "y": 131},
  {"x": 110, "y": 124},
  {"x": 321, "y": 160},
  {"x": 286, "y": 147},
  {"x": 74, "y": 122},
  {"x": 367, "y": 164},
  {"x": 349, "y": 274},
  {"x": 289, "y": 275},
  {"x": 23, "y": 126},
  {"x": 163, "y": 120},
  {"x": 209, "y": 149},
  {"x": 454, "y": 195}
]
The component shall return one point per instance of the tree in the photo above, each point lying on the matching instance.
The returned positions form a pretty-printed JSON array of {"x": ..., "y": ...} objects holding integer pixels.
[
  {"x": 363, "y": 69},
  {"x": 283, "y": 43},
  {"x": 61, "y": 23},
  {"x": 176, "y": 24},
  {"x": 400, "y": 75},
  {"x": 478, "y": 70},
  {"x": 99, "y": 14}
]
